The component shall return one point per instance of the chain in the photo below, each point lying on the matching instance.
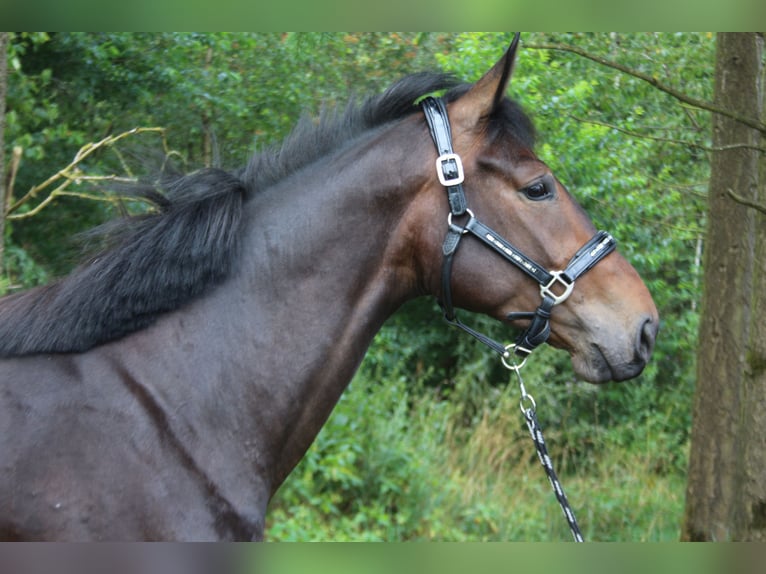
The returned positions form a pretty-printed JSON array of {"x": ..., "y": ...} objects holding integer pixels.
[{"x": 528, "y": 408}]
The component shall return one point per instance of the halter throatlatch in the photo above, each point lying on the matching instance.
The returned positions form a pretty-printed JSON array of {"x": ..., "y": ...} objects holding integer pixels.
[{"x": 555, "y": 286}]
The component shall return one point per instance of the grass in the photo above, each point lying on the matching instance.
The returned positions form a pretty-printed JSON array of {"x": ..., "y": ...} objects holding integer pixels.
[{"x": 393, "y": 464}]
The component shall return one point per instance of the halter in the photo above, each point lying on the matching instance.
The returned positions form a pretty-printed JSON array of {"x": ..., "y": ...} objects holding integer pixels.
[{"x": 555, "y": 286}]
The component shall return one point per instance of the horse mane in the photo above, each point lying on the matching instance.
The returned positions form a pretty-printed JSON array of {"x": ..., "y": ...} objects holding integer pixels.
[
  {"x": 152, "y": 264},
  {"x": 158, "y": 262},
  {"x": 312, "y": 139}
]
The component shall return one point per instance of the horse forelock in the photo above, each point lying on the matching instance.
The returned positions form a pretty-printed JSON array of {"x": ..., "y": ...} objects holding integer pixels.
[{"x": 508, "y": 118}]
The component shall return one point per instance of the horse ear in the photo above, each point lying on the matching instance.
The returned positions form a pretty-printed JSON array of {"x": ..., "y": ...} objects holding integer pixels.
[{"x": 484, "y": 96}]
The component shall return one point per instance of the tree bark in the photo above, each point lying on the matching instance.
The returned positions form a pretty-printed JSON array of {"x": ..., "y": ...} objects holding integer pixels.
[
  {"x": 4, "y": 38},
  {"x": 726, "y": 489}
]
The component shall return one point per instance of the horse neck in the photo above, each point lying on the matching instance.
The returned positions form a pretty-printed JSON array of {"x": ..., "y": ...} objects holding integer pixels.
[
  {"x": 322, "y": 271},
  {"x": 338, "y": 222},
  {"x": 248, "y": 374}
]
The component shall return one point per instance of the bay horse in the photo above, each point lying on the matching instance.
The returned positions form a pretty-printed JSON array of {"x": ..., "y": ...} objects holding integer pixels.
[{"x": 166, "y": 388}]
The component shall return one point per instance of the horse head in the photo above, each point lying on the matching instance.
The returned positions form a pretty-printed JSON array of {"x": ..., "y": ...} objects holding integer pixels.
[{"x": 515, "y": 222}]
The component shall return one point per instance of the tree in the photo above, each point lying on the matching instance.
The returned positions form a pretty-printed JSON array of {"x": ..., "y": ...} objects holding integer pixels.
[
  {"x": 3, "y": 84},
  {"x": 726, "y": 492}
]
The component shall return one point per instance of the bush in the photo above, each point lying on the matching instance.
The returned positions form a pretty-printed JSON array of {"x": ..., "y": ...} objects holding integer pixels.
[{"x": 398, "y": 460}]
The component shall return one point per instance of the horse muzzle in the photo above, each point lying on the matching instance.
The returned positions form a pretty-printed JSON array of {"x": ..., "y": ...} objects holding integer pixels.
[{"x": 620, "y": 356}]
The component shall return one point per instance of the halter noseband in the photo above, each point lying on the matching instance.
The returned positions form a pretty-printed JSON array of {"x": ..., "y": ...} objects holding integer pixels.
[{"x": 555, "y": 286}]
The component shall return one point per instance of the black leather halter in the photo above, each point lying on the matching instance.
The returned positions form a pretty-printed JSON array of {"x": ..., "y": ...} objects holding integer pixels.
[{"x": 555, "y": 286}]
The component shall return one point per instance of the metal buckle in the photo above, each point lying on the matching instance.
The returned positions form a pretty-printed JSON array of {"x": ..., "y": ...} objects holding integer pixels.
[
  {"x": 442, "y": 168},
  {"x": 561, "y": 278}
]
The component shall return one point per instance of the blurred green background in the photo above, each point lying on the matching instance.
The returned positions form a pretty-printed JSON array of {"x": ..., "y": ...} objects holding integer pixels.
[{"x": 451, "y": 15}]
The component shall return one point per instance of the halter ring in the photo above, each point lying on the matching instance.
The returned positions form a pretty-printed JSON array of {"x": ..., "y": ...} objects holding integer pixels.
[
  {"x": 512, "y": 366},
  {"x": 560, "y": 278},
  {"x": 449, "y": 220}
]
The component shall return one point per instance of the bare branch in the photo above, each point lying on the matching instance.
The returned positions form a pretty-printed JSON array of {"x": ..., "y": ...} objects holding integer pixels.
[
  {"x": 11, "y": 178},
  {"x": 680, "y": 96},
  {"x": 73, "y": 174},
  {"x": 685, "y": 188},
  {"x": 746, "y": 202},
  {"x": 694, "y": 145}
]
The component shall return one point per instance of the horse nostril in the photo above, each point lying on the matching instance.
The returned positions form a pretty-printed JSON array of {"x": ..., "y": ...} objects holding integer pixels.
[{"x": 646, "y": 337}]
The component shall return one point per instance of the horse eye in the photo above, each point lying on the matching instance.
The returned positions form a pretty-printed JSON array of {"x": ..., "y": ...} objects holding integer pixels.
[{"x": 537, "y": 191}]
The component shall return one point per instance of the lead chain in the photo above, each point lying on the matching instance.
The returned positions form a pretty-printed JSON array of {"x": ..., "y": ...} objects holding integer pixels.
[{"x": 528, "y": 408}]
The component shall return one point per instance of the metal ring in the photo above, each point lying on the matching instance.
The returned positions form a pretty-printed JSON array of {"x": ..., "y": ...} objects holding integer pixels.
[
  {"x": 449, "y": 219},
  {"x": 507, "y": 355},
  {"x": 532, "y": 403}
]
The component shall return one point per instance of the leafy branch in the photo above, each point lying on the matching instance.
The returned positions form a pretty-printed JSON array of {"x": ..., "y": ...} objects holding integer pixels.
[
  {"x": 73, "y": 174},
  {"x": 738, "y": 198},
  {"x": 653, "y": 81},
  {"x": 690, "y": 144}
]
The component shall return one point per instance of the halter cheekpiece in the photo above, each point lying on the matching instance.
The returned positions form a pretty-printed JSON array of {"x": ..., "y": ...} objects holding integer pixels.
[{"x": 555, "y": 286}]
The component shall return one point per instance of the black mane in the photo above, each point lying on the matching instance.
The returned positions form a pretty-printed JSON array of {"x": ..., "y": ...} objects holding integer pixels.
[
  {"x": 157, "y": 263},
  {"x": 310, "y": 140}
]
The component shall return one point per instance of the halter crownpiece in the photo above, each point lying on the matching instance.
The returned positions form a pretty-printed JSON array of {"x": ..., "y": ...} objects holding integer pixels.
[
  {"x": 449, "y": 167},
  {"x": 555, "y": 286}
]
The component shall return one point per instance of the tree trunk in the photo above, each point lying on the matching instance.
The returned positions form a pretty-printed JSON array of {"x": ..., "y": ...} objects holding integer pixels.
[
  {"x": 726, "y": 489},
  {"x": 4, "y": 36}
]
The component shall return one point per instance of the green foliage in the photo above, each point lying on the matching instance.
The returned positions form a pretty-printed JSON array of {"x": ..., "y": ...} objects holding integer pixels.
[
  {"x": 219, "y": 96},
  {"x": 66, "y": 90},
  {"x": 395, "y": 464},
  {"x": 22, "y": 268}
]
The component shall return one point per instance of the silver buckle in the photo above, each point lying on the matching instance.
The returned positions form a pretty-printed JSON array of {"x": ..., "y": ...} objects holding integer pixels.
[
  {"x": 443, "y": 159},
  {"x": 557, "y": 277}
]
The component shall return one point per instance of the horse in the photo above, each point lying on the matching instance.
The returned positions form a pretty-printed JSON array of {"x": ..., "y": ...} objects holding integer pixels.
[{"x": 166, "y": 387}]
